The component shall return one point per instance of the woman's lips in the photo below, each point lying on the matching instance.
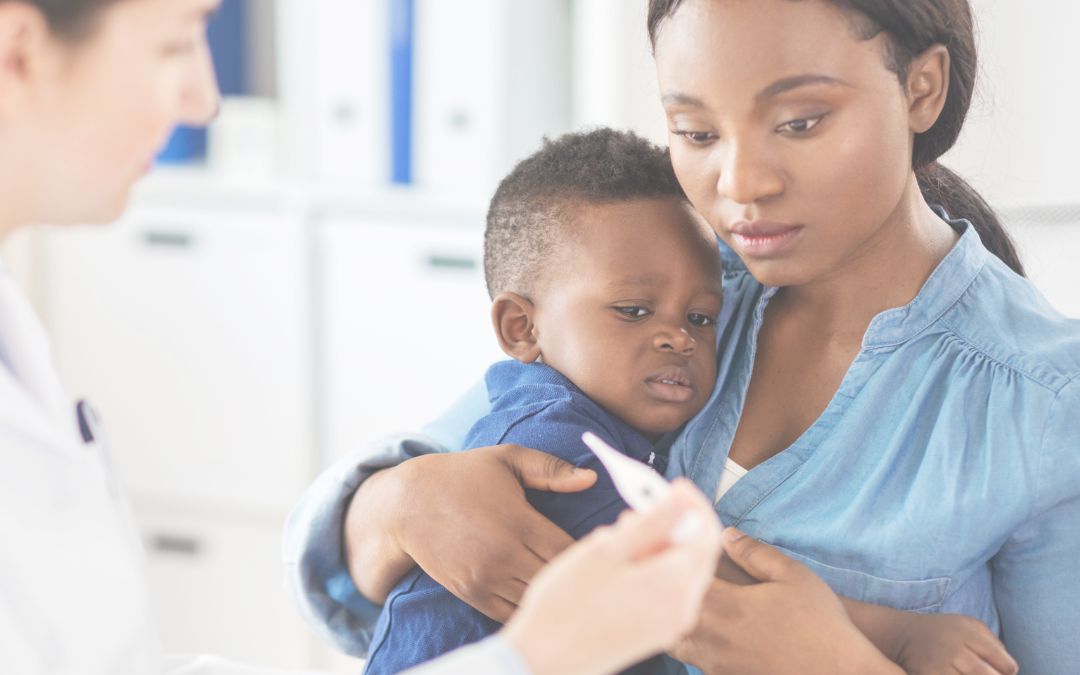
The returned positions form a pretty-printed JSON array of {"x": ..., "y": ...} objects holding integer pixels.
[
  {"x": 672, "y": 384},
  {"x": 763, "y": 238}
]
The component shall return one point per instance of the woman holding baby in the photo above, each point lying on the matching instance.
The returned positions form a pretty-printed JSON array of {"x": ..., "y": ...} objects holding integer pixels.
[{"x": 903, "y": 403}]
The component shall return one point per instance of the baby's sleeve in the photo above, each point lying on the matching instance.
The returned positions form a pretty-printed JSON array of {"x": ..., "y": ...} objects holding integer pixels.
[{"x": 556, "y": 429}]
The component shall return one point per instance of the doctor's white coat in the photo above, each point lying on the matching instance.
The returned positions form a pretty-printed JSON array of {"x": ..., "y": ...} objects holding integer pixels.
[{"x": 73, "y": 596}]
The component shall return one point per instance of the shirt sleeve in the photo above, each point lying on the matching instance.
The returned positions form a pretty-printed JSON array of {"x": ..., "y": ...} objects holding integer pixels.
[
  {"x": 1036, "y": 582},
  {"x": 490, "y": 656},
  {"x": 557, "y": 430}
]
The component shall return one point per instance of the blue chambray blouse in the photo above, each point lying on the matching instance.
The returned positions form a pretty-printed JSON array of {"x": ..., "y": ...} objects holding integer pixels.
[{"x": 944, "y": 476}]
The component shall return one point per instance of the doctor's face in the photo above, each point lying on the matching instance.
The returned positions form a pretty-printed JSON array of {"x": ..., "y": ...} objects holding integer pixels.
[{"x": 106, "y": 103}]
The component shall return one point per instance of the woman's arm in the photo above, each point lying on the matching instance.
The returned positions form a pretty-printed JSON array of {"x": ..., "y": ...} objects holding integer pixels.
[
  {"x": 464, "y": 519},
  {"x": 1036, "y": 574}
]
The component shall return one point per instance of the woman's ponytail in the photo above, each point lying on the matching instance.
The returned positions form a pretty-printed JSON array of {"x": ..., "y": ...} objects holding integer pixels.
[
  {"x": 946, "y": 189},
  {"x": 913, "y": 27}
]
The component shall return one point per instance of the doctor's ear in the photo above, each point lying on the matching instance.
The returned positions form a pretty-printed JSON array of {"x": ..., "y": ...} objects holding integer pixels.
[
  {"x": 513, "y": 317},
  {"x": 27, "y": 51}
]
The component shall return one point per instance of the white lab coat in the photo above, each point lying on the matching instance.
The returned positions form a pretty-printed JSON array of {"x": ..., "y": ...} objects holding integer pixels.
[{"x": 73, "y": 596}]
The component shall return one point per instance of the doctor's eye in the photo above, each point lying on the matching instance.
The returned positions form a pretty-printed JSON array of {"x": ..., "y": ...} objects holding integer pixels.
[
  {"x": 701, "y": 320},
  {"x": 633, "y": 312}
]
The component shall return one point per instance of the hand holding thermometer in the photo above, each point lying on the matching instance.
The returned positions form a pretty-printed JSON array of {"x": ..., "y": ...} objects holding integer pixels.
[{"x": 639, "y": 485}]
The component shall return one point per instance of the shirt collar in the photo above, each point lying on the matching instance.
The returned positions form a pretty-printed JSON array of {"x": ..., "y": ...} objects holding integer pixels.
[{"x": 941, "y": 291}]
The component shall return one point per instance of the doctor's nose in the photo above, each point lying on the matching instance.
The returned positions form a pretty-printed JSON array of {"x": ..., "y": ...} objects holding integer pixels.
[{"x": 200, "y": 99}]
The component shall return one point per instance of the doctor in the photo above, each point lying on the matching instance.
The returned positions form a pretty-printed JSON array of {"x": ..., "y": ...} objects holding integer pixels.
[{"x": 89, "y": 89}]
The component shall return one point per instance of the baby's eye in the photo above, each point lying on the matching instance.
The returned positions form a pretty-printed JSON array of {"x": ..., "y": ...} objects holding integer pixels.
[
  {"x": 799, "y": 126},
  {"x": 633, "y": 312},
  {"x": 701, "y": 320}
]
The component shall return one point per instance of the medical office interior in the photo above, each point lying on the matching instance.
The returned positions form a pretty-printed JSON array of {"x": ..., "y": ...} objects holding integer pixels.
[{"x": 305, "y": 274}]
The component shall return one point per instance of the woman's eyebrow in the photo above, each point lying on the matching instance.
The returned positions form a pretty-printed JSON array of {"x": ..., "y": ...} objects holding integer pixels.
[
  {"x": 789, "y": 83},
  {"x": 679, "y": 98}
]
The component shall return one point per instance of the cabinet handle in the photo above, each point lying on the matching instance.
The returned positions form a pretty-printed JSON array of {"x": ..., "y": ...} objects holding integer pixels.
[
  {"x": 175, "y": 545},
  {"x": 167, "y": 239},
  {"x": 449, "y": 262}
]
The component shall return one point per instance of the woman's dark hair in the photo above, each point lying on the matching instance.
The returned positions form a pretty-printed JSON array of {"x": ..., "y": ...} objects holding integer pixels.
[
  {"x": 70, "y": 19},
  {"x": 914, "y": 26}
]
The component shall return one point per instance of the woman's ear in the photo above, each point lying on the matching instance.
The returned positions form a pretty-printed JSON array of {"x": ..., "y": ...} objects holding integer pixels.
[
  {"x": 928, "y": 87},
  {"x": 24, "y": 40},
  {"x": 513, "y": 317}
]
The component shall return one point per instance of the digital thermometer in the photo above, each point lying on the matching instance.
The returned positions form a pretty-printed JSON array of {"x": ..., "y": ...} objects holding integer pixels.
[{"x": 638, "y": 485}]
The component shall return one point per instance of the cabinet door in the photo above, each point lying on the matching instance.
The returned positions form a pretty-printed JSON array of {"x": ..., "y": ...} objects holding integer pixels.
[
  {"x": 406, "y": 325},
  {"x": 188, "y": 330},
  {"x": 216, "y": 588}
]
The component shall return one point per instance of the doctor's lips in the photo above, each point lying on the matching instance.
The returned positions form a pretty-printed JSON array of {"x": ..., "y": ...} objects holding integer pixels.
[
  {"x": 763, "y": 238},
  {"x": 672, "y": 384}
]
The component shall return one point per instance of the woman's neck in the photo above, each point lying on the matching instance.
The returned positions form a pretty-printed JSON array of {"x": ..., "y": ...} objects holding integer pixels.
[{"x": 887, "y": 272}]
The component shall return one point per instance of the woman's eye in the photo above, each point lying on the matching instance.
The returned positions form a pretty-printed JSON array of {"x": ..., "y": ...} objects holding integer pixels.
[
  {"x": 696, "y": 137},
  {"x": 799, "y": 126},
  {"x": 633, "y": 312},
  {"x": 701, "y": 320}
]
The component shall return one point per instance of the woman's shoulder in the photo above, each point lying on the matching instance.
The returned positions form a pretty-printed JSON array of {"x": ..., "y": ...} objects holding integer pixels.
[{"x": 1007, "y": 319}]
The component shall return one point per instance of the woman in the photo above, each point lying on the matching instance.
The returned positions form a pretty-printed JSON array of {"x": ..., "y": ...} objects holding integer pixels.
[
  {"x": 89, "y": 90},
  {"x": 907, "y": 405}
]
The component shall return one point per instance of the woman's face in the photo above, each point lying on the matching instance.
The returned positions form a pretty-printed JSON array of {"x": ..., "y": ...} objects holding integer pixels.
[
  {"x": 789, "y": 133},
  {"x": 99, "y": 110}
]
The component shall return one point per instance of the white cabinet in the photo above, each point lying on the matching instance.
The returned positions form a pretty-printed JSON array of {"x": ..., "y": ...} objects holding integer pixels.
[
  {"x": 405, "y": 323},
  {"x": 216, "y": 588},
  {"x": 188, "y": 329},
  {"x": 492, "y": 78}
]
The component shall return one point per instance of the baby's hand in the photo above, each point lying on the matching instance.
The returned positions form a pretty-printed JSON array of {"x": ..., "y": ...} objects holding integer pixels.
[{"x": 952, "y": 644}]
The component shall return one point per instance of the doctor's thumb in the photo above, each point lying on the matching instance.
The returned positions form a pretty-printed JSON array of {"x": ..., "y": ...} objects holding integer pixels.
[
  {"x": 759, "y": 560},
  {"x": 541, "y": 471}
]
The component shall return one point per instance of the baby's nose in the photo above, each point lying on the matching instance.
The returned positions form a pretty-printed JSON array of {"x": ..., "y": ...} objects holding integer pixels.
[{"x": 676, "y": 340}]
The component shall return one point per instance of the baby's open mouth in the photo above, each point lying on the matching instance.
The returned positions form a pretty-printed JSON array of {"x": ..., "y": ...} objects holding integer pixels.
[{"x": 672, "y": 384}]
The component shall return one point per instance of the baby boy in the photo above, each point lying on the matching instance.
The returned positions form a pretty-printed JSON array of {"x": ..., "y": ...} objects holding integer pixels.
[{"x": 606, "y": 289}]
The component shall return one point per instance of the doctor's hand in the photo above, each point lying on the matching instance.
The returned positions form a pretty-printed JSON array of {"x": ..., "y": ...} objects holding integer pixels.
[
  {"x": 624, "y": 593},
  {"x": 463, "y": 518},
  {"x": 791, "y": 622}
]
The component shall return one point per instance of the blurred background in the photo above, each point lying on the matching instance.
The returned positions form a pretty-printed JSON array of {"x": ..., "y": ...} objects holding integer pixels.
[{"x": 305, "y": 275}]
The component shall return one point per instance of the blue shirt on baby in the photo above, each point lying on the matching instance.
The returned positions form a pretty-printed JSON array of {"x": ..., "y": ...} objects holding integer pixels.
[{"x": 535, "y": 406}]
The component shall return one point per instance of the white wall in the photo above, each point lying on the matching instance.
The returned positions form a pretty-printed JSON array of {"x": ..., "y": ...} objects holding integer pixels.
[{"x": 1021, "y": 142}]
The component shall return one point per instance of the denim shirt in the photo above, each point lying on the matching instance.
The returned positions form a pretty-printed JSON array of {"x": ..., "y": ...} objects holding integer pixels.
[{"x": 944, "y": 476}]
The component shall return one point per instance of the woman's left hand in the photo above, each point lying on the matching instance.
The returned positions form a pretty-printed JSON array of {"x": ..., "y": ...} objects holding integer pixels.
[{"x": 792, "y": 622}]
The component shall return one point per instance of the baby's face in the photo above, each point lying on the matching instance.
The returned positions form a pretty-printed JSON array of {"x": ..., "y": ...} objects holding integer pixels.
[{"x": 630, "y": 315}]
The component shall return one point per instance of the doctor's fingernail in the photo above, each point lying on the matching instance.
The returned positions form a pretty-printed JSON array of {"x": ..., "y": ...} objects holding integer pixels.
[{"x": 732, "y": 534}]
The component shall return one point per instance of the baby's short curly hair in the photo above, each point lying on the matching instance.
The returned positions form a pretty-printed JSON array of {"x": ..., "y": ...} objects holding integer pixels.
[{"x": 533, "y": 208}]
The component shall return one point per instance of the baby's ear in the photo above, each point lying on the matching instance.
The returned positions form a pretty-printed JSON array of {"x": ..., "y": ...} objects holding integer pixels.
[{"x": 513, "y": 318}]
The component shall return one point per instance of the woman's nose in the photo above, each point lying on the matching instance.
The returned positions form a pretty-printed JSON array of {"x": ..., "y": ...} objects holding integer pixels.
[
  {"x": 746, "y": 175},
  {"x": 201, "y": 98},
  {"x": 674, "y": 339}
]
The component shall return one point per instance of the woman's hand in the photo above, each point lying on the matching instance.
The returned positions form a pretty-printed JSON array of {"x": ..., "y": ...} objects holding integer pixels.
[
  {"x": 624, "y": 593},
  {"x": 792, "y": 622},
  {"x": 463, "y": 518}
]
